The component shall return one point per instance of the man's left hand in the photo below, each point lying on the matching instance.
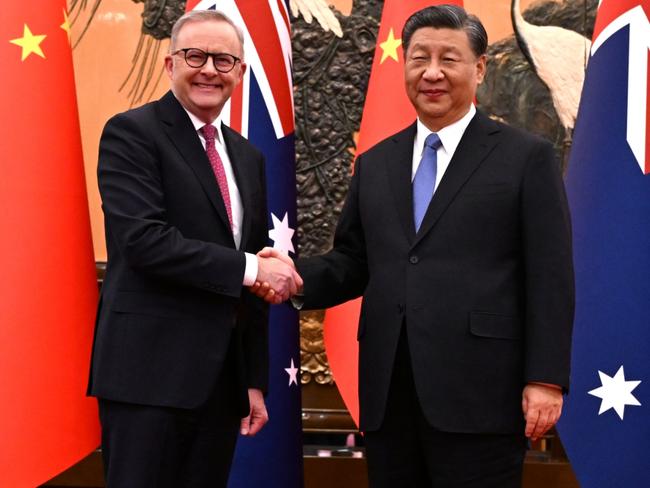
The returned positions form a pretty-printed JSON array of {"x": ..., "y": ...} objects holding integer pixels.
[
  {"x": 542, "y": 406},
  {"x": 258, "y": 415}
]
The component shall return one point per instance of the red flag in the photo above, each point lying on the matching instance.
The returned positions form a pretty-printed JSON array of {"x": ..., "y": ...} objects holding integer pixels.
[
  {"x": 48, "y": 289},
  {"x": 382, "y": 116}
]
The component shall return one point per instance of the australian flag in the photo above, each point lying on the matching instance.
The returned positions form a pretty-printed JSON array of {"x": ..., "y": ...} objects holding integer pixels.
[
  {"x": 261, "y": 109},
  {"x": 606, "y": 423}
]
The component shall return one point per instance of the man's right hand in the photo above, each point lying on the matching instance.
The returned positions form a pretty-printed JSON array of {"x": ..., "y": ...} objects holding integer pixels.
[{"x": 277, "y": 279}]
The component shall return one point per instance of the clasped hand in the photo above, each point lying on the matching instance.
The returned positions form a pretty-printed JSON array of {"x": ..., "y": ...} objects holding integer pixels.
[{"x": 277, "y": 278}]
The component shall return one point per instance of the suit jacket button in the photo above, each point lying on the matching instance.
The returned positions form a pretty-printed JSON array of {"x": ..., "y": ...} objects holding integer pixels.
[{"x": 413, "y": 259}]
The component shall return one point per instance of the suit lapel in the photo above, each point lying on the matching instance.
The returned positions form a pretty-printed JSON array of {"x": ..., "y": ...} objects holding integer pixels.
[
  {"x": 477, "y": 142},
  {"x": 399, "y": 160},
  {"x": 180, "y": 131},
  {"x": 245, "y": 173}
]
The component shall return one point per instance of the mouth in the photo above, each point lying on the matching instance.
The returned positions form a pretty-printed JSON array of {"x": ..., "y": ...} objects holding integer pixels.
[
  {"x": 207, "y": 86},
  {"x": 433, "y": 93}
]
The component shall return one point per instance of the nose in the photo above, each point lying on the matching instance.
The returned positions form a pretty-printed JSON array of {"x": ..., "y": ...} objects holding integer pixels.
[
  {"x": 209, "y": 67},
  {"x": 433, "y": 71}
]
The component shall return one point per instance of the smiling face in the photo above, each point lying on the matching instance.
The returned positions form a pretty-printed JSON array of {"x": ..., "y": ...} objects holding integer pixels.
[
  {"x": 204, "y": 91},
  {"x": 441, "y": 74}
]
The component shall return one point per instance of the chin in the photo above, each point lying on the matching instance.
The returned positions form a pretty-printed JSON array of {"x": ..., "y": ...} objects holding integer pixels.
[
  {"x": 208, "y": 104},
  {"x": 434, "y": 114}
]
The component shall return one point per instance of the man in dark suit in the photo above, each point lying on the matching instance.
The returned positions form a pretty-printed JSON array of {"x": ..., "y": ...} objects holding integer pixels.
[
  {"x": 465, "y": 326},
  {"x": 180, "y": 355}
]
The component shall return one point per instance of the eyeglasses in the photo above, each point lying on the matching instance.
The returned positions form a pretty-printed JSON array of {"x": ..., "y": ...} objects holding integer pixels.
[{"x": 196, "y": 58}]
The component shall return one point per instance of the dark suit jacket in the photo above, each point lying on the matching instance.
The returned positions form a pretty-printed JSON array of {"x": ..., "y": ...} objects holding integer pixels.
[
  {"x": 172, "y": 300},
  {"x": 485, "y": 288}
]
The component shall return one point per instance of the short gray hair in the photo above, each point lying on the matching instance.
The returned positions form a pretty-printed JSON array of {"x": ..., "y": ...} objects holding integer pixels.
[
  {"x": 447, "y": 17},
  {"x": 205, "y": 16}
]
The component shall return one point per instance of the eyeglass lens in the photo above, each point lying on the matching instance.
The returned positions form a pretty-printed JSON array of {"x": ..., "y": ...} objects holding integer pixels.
[{"x": 222, "y": 61}]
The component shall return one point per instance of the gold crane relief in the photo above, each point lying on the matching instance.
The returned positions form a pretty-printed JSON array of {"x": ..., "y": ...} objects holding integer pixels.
[{"x": 313, "y": 358}]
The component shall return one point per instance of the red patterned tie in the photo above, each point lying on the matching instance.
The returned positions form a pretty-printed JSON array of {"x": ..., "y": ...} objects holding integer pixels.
[{"x": 209, "y": 132}]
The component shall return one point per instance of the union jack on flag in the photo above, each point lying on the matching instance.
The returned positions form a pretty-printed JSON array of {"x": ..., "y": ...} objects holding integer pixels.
[
  {"x": 630, "y": 15},
  {"x": 261, "y": 109},
  {"x": 606, "y": 423}
]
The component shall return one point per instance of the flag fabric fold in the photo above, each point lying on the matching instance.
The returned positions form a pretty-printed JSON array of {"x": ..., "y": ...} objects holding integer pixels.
[
  {"x": 261, "y": 109},
  {"x": 48, "y": 288},
  {"x": 606, "y": 424}
]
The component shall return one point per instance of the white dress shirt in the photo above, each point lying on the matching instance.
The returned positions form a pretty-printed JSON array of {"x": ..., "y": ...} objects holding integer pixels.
[
  {"x": 450, "y": 137},
  {"x": 237, "y": 208}
]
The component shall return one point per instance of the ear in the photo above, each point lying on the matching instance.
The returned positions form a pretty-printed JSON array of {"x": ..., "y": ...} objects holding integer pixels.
[
  {"x": 242, "y": 70},
  {"x": 481, "y": 68},
  {"x": 169, "y": 66}
]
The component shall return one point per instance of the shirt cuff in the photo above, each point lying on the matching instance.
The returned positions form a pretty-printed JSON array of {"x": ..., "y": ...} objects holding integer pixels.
[
  {"x": 549, "y": 385},
  {"x": 250, "y": 273}
]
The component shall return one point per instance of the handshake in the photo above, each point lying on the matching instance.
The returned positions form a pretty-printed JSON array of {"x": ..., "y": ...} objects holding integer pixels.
[{"x": 277, "y": 278}]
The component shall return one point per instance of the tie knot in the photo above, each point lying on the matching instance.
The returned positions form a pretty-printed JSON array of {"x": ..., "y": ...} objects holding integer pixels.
[
  {"x": 433, "y": 141},
  {"x": 209, "y": 131}
]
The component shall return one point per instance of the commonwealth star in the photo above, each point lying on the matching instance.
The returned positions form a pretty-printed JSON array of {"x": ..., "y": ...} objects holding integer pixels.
[
  {"x": 615, "y": 392},
  {"x": 281, "y": 233}
]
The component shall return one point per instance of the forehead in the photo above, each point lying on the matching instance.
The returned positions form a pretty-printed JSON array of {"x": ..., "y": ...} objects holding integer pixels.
[
  {"x": 430, "y": 38},
  {"x": 206, "y": 32}
]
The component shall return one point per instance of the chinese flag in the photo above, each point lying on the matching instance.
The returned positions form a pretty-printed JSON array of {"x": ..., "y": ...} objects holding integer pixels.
[
  {"x": 387, "y": 110},
  {"x": 48, "y": 290}
]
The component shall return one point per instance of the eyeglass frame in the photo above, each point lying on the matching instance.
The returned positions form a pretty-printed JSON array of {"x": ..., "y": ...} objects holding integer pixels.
[{"x": 208, "y": 55}]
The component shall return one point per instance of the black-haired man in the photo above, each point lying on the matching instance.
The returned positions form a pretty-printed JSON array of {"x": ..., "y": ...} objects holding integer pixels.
[{"x": 456, "y": 233}]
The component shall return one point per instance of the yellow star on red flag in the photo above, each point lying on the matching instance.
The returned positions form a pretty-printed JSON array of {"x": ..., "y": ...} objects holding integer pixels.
[
  {"x": 66, "y": 24},
  {"x": 48, "y": 403},
  {"x": 389, "y": 47},
  {"x": 30, "y": 43}
]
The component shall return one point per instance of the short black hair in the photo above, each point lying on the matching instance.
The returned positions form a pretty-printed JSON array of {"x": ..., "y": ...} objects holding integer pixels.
[{"x": 447, "y": 17}]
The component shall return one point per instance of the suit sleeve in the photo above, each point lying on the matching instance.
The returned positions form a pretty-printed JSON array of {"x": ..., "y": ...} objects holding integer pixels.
[
  {"x": 549, "y": 281},
  {"x": 255, "y": 312},
  {"x": 133, "y": 202},
  {"x": 342, "y": 273}
]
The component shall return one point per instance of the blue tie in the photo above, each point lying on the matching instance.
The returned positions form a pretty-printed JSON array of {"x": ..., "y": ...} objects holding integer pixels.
[{"x": 425, "y": 178}]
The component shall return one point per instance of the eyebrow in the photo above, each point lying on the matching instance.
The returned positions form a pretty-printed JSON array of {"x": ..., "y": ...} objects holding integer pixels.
[{"x": 445, "y": 48}]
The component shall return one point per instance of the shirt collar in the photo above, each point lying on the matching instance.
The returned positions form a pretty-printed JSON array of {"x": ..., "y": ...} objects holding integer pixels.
[
  {"x": 450, "y": 135},
  {"x": 198, "y": 123}
]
